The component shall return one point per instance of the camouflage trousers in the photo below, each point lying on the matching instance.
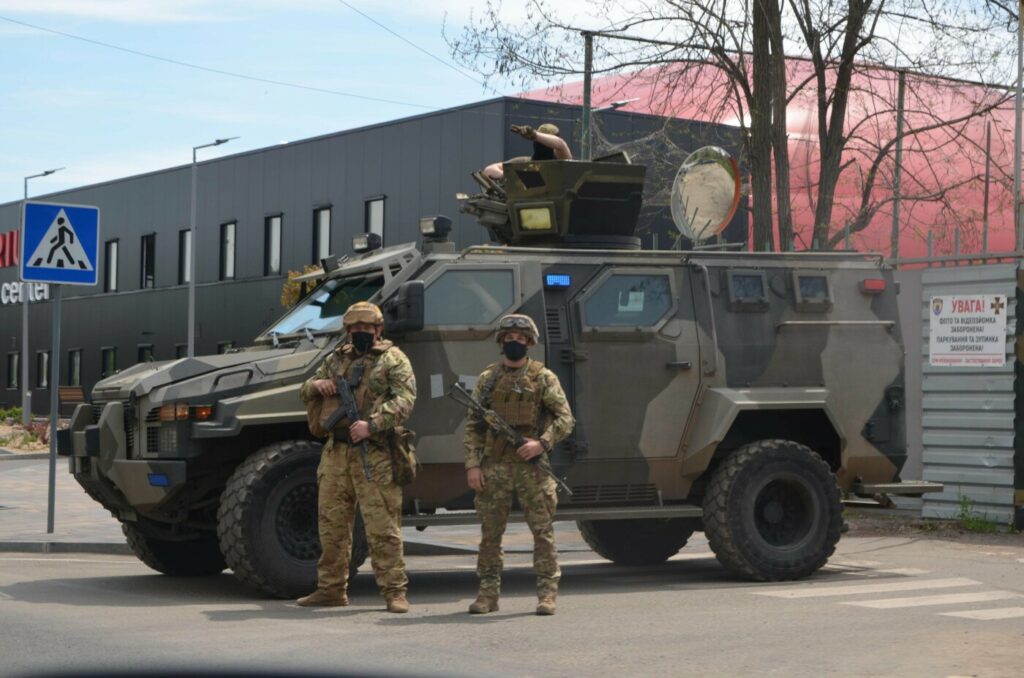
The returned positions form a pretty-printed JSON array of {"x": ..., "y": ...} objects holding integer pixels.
[
  {"x": 343, "y": 485},
  {"x": 536, "y": 493}
]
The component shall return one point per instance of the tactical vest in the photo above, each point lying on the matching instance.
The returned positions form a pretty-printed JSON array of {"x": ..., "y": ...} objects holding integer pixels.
[
  {"x": 347, "y": 361},
  {"x": 517, "y": 400}
]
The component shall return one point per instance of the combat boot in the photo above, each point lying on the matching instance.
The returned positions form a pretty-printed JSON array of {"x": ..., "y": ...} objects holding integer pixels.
[
  {"x": 546, "y": 605},
  {"x": 322, "y": 598},
  {"x": 398, "y": 603},
  {"x": 484, "y": 604}
]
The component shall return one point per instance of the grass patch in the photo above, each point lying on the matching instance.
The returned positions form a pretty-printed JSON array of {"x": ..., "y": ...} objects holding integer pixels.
[{"x": 971, "y": 520}]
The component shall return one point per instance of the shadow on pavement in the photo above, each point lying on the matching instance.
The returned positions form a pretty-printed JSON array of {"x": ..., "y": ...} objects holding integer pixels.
[{"x": 431, "y": 587}]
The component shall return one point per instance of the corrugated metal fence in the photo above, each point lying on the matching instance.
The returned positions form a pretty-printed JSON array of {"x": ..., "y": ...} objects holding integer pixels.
[{"x": 968, "y": 412}]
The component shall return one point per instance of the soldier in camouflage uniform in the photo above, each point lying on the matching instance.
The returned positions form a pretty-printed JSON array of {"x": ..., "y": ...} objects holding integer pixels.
[
  {"x": 385, "y": 396},
  {"x": 529, "y": 397}
]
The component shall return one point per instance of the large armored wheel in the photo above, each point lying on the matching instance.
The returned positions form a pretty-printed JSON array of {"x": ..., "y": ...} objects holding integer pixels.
[
  {"x": 267, "y": 520},
  {"x": 772, "y": 511},
  {"x": 192, "y": 558},
  {"x": 636, "y": 542}
]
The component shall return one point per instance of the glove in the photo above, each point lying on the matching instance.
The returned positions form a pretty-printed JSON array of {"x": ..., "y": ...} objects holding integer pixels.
[{"x": 525, "y": 131}]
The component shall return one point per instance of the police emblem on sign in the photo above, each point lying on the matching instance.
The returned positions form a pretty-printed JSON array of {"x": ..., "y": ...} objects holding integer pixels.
[{"x": 937, "y": 305}]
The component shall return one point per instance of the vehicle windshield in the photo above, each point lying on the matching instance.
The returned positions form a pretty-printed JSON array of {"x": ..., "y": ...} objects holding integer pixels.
[{"x": 321, "y": 311}]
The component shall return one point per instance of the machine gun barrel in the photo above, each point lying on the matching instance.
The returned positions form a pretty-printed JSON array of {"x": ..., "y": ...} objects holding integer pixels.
[{"x": 499, "y": 425}]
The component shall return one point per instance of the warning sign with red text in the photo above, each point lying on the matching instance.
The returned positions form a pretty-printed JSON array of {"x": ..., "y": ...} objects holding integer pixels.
[{"x": 968, "y": 331}]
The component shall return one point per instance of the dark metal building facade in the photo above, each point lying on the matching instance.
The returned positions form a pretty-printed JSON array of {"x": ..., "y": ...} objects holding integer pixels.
[{"x": 335, "y": 185}]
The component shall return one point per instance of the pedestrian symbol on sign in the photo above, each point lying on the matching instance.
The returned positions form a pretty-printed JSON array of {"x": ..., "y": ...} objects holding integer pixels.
[{"x": 60, "y": 247}]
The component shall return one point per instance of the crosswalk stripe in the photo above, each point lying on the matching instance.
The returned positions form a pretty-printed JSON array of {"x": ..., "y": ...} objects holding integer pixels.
[
  {"x": 901, "y": 571},
  {"x": 854, "y": 563},
  {"x": 812, "y": 591},
  {"x": 945, "y": 599},
  {"x": 986, "y": 615}
]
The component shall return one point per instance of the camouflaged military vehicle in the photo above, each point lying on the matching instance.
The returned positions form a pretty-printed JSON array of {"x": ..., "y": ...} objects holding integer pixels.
[{"x": 735, "y": 393}]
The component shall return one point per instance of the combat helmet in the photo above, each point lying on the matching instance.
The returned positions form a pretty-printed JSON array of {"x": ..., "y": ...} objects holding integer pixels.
[
  {"x": 517, "y": 322},
  {"x": 363, "y": 312}
]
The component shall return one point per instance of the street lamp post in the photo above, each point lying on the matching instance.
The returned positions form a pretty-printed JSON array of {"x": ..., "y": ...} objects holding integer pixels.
[
  {"x": 193, "y": 241},
  {"x": 26, "y": 399}
]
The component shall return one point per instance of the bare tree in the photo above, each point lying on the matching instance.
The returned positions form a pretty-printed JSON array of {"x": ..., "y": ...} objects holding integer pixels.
[{"x": 749, "y": 62}]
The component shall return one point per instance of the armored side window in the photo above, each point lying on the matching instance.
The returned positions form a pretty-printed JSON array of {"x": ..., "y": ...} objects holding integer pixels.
[
  {"x": 812, "y": 292},
  {"x": 465, "y": 297},
  {"x": 748, "y": 290},
  {"x": 629, "y": 300}
]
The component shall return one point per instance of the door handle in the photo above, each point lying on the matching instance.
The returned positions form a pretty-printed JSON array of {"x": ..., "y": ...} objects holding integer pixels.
[{"x": 682, "y": 365}]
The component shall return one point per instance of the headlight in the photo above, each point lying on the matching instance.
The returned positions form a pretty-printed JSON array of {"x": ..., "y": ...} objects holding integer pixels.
[{"x": 182, "y": 411}]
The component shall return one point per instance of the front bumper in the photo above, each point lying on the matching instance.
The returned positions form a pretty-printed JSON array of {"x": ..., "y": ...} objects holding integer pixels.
[{"x": 99, "y": 441}]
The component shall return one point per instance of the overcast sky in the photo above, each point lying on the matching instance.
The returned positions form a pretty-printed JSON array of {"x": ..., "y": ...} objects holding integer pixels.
[{"x": 104, "y": 113}]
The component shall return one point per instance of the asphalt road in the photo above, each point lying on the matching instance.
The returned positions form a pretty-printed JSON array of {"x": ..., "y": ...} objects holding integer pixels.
[{"x": 883, "y": 607}]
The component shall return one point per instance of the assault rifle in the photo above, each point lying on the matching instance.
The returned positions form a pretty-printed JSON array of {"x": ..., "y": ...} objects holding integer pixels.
[
  {"x": 349, "y": 409},
  {"x": 500, "y": 426}
]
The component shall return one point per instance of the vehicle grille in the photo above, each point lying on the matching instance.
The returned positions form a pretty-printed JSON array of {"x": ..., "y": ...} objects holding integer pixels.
[
  {"x": 129, "y": 422},
  {"x": 615, "y": 494}
]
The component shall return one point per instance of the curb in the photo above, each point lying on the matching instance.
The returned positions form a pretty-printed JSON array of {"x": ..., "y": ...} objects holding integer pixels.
[
  {"x": 113, "y": 548},
  {"x": 7, "y": 455}
]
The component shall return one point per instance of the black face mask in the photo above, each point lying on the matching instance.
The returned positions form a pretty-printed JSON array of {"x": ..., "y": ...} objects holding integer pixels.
[
  {"x": 513, "y": 350},
  {"x": 362, "y": 341}
]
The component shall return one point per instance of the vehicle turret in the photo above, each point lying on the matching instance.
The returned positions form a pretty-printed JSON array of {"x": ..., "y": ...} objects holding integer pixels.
[{"x": 562, "y": 203}]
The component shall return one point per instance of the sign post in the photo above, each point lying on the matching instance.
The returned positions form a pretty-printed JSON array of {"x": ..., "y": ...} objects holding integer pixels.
[{"x": 59, "y": 245}]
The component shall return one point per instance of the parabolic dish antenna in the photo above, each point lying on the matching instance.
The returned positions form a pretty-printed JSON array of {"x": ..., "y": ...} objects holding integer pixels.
[{"x": 705, "y": 193}]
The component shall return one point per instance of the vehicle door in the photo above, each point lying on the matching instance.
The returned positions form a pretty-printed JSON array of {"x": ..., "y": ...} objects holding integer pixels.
[
  {"x": 462, "y": 305},
  {"x": 636, "y": 375}
]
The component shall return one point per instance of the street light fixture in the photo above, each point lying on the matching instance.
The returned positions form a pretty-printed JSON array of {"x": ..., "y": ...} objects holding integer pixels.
[
  {"x": 26, "y": 398},
  {"x": 192, "y": 251}
]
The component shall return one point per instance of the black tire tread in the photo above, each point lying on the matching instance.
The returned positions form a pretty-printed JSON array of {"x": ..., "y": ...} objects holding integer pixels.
[
  {"x": 725, "y": 543},
  {"x": 196, "y": 558},
  {"x": 635, "y": 542},
  {"x": 233, "y": 515}
]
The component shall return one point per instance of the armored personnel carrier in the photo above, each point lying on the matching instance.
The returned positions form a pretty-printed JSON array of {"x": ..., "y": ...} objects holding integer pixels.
[{"x": 736, "y": 393}]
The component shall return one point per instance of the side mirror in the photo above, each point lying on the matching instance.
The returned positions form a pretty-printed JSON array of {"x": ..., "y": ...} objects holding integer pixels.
[{"x": 404, "y": 311}]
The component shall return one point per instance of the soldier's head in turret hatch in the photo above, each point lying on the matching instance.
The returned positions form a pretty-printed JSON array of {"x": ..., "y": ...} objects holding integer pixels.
[
  {"x": 543, "y": 151},
  {"x": 516, "y": 334},
  {"x": 364, "y": 323}
]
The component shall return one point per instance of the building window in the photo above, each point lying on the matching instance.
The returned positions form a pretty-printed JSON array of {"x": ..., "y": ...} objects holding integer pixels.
[
  {"x": 272, "y": 245},
  {"x": 184, "y": 256},
  {"x": 180, "y": 350},
  {"x": 148, "y": 276},
  {"x": 145, "y": 353},
  {"x": 75, "y": 367},
  {"x": 110, "y": 257},
  {"x": 321, "y": 233},
  {"x": 108, "y": 361},
  {"x": 42, "y": 369},
  {"x": 375, "y": 216},
  {"x": 227, "y": 251},
  {"x": 13, "y": 368},
  {"x": 225, "y": 346}
]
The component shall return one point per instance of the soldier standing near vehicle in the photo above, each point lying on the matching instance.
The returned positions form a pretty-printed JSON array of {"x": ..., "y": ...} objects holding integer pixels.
[
  {"x": 385, "y": 396},
  {"x": 529, "y": 397}
]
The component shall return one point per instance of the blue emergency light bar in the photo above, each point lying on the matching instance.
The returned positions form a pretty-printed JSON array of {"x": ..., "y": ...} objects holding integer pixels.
[{"x": 557, "y": 280}]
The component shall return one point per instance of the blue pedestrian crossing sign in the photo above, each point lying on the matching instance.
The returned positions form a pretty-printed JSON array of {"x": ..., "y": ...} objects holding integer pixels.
[{"x": 60, "y": 244}]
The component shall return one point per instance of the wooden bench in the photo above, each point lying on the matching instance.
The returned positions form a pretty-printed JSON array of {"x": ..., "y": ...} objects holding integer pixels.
[{"x": 70, "y": 396}]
